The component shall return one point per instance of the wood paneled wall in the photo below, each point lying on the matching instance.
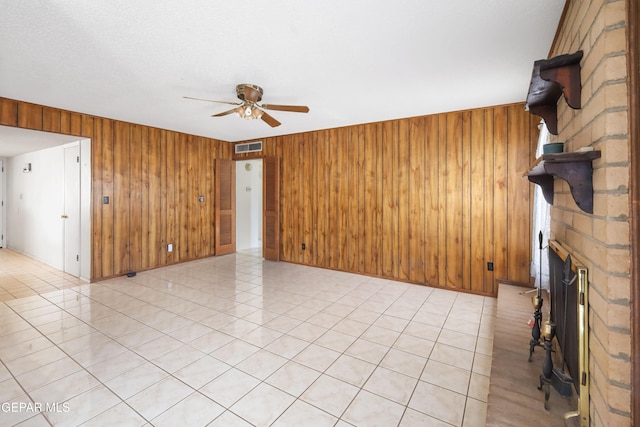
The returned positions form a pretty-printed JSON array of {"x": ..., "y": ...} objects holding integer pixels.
[
  {"x": 152, "y": 177},
  {"x": 428, "y": 200}
]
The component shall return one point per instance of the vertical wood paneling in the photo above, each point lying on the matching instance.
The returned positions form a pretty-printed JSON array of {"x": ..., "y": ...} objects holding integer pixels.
[
  {"x": 87, "y": 126},
  {"x": 434, "y": 210},
  {"x": 8, "y": 112},
  {"x": 371, "y": 229},
  {"x": 181, "y": 248},
  {"x": 286, "y": 220},
  {"x": 135, "y": 198},
  {"x": 147, "y": 248},
  {"x": 121, "y": 198},
  {"x": 51, "y": 120},
  {"x": 488, "y": 180},
  {"x": 429, "y": 200},
  {"x": 466, "y": 207},
  {"x": 65, "y": 122},
  {"x": 192, "y": 193},
  {"x": 30, "y": 116},
  {"x": 200, "y": 166},
  {"x": 210, "y": 190},
  {"x": 171, "y": 199},
  {"x": 321, "y": 198},
  {"x": 205, "y": 179},
  {"x": 333, "y": 237},
  {"x": 75, "y": 124},
  {"x": 380, "y": 201},
  {"x": 477, "y": 198},
  {"x": 295, "y": 198},
  {"x": 97, "y": 169},
  {"x": 309, "y": 191},
  {"x": 342, "y": 200},
  {"x": 500, "y": 205},
  {"x": 453, "y": 201},
  {"x": 156, "y": 195},
  {"x": 403, "y": 232},
  {"x": 70, "y": 123},
  {"x": 362, "y": 206},
  {"x": 443, "y": 166},
  {"x": 278, "y": 152},
  {"x": 354, "y": 168},
  {"x": 108, "y": 171},
  {"x": 389, "y": 195},
  {"x": 426, "y": 200},
  {"x": 418, "y": 183}
]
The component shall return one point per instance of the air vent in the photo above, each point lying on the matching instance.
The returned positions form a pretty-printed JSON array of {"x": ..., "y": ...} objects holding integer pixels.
[{"x": 249, "y": 147}]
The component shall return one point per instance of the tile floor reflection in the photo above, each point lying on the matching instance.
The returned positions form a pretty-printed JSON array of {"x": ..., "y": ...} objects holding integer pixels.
[
  {"x": 21, "y": 276},
  {"x": 239, "y": 341}
]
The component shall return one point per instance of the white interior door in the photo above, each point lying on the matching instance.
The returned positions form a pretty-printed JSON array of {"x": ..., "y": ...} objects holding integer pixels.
[{"x": 71, "y": 215}]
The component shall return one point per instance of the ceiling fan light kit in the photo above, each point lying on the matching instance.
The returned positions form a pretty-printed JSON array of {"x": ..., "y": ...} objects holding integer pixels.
[
  {"x": 249, "y": 108},
  {"x": 249, "y": 112}
]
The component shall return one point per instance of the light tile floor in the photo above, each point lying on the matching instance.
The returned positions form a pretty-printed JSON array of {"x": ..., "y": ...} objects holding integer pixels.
[
  {"x": 21, "y": 276},
  {"x": 239, "y": 341}
]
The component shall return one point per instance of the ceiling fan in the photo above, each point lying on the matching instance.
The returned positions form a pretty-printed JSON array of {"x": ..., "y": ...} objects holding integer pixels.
[{"x": 249, "y": 108}]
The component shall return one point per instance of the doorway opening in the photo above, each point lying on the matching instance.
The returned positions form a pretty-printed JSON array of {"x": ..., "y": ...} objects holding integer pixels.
[
  {"x": 249, "y": 206},
  {"x": 47, "y": 198}
]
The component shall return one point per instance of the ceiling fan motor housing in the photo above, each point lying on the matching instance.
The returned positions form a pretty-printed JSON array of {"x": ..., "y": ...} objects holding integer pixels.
[{"x": 249, "y": 92}]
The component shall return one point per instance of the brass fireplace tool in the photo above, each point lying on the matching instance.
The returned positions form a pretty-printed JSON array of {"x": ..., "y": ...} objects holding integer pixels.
[
  {"x": 547, "y": 365},
  {"x": 537, "y": 301}
]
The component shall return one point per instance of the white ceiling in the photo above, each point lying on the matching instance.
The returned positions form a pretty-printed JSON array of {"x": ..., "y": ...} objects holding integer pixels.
[
  {"x": 351, "y": 62},
  {"x": 15, "y": 141}
]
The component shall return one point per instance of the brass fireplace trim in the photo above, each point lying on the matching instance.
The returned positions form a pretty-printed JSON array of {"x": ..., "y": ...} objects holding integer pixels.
[{"x": 583, "y": 331}]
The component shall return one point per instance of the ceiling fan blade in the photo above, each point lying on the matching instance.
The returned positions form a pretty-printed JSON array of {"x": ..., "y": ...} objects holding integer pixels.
[
  {"x": 225, "y": 113},
  {"x": 268, "y": 119},
  {"x": 292, "y": 108},
  {"x": 211, "y": 100}
]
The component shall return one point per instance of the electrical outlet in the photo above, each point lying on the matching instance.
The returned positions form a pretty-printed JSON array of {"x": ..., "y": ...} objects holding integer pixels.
[
  {"x": 490, "y": 266},
  {"x": 304, "y": 247},
  {"x": 170, "y": 247}
]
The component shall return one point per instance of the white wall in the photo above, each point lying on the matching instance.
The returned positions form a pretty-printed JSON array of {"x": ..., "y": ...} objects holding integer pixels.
[
  {"x": 34, "y": 202},
  {"x": 248, "y": 204}
]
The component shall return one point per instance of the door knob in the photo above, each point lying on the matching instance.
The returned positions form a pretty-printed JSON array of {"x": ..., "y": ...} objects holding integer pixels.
[{"x": 64, "y": 216}]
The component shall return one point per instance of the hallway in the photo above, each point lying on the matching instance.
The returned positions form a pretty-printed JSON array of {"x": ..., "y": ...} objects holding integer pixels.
[{"x": 22, "y": 276}]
